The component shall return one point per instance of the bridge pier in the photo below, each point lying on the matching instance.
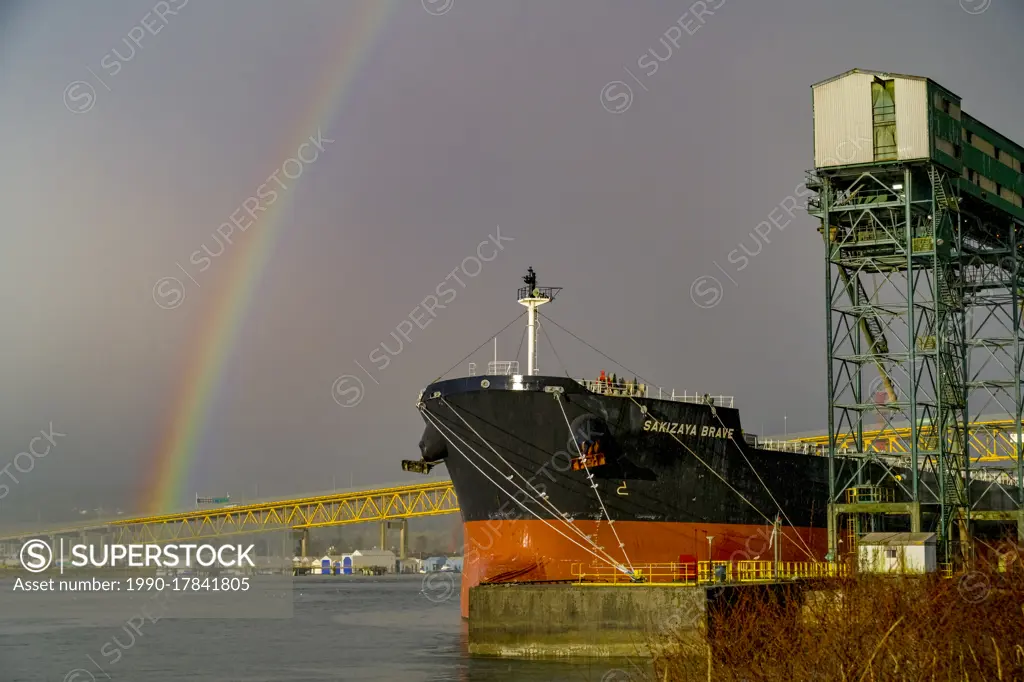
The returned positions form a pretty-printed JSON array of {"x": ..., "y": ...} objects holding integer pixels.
[{"x": 403, "y": 537}]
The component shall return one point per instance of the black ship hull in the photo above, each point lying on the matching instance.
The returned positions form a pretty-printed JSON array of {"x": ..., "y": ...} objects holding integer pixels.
[{"x": 554, "y": 479}]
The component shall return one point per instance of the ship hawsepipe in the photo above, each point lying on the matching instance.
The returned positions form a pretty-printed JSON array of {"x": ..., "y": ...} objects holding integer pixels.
[{"x": 670, "y": 474}]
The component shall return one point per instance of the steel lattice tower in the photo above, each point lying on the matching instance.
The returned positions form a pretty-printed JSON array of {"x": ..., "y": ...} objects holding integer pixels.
[{"x": 923, "y": 289}]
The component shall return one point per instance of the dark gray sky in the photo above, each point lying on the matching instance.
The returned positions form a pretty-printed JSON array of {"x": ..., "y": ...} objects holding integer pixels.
[{"x": 487, "y": 115}]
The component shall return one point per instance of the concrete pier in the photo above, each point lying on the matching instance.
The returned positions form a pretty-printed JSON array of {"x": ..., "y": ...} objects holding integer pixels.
[
  {"x": 587, "y": 620},
  {"x": 604, "y": 620}
]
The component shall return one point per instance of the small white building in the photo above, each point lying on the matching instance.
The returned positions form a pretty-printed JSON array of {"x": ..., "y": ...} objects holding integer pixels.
[
  {"x": 897, "y": 553},
  {"x": 374, "y": 558}
]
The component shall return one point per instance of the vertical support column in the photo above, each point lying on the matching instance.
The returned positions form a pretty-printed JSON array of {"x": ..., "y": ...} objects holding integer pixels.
[
  {"x": 304, "y": 543},
  {"x": 826, "y": 227},
  {"x": 383, "y": 535},
  {"x": 531, "y": 339},
  {"x": 1018, "y": 361},
  {"x": 403, "y": 549},
  {"x": 908, "y": 192},
  {"x": 967, "y": 333}
]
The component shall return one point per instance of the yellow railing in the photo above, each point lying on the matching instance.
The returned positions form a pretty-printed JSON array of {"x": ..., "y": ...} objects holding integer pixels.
[
  {"x": 650, "y": 573},
  {"x": 865, "y": 494},
  {"x": 706, "y": 572}
]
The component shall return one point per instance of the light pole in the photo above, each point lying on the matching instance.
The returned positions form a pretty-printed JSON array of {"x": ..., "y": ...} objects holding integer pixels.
[
  {"x": 785, "y": 425},
  {"x": 711, "y": 566}
]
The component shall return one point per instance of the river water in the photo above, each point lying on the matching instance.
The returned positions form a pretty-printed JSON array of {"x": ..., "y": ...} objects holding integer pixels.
[{"x": 389, "y": 628}]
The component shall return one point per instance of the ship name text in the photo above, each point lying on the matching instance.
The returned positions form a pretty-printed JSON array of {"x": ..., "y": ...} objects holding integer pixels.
[{"x": 675, "y": 428}]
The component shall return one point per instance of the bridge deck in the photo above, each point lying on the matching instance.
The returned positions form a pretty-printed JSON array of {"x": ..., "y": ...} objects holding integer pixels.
[{"x": 399, "y": 502}]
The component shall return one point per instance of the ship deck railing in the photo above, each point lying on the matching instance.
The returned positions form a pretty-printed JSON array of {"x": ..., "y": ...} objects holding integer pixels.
[
  {"x": 630, "y": 389},
  {"x": 708, "y": 572},
  {"x": 496, "y": 368},
  {"x": 794, "y": 446}
]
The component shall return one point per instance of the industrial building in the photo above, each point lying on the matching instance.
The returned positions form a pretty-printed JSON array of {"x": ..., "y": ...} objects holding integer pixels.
[{"x": 369, "y": 559}]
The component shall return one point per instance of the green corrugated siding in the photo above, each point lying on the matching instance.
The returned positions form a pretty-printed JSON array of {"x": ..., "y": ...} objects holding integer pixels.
[
  {"x": 941, "y": 158},
  {"x": 984, "y": 132},
  {"x": 991, "y": 199},
  {"x": 993, "y": 169},
  {"x": 943, "y": 126},
  {"x": 979, "y": 161},
  {"x": 946, "y": 127}
]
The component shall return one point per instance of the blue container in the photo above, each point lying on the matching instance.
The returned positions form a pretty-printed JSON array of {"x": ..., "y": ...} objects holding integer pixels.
[{"x": 346, "y": 565}]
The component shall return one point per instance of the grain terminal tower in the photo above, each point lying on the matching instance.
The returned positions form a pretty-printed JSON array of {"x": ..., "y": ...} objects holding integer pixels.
[{"x": 923, "y": 232}]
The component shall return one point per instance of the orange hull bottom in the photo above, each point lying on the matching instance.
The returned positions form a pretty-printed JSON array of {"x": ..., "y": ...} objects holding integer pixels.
[{"x": 526, "y": 551}]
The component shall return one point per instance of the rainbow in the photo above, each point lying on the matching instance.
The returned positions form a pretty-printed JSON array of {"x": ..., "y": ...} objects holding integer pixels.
[{"x": 166, "y": 488}]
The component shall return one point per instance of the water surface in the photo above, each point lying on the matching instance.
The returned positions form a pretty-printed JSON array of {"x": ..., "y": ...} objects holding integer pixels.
[{"x": 390, "y": 628}]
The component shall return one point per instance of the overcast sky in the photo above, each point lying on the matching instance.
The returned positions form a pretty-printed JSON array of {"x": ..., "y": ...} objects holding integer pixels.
[{"x": 458, "y": 120}]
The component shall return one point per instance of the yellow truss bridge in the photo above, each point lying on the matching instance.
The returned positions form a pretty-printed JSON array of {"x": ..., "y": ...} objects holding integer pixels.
[
  {"x": 382, "y": 505},
  {"x": 991, "y": 441}
]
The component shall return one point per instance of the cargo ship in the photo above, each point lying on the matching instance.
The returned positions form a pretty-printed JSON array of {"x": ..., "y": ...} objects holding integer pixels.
[{"x": 556, "y": 476}]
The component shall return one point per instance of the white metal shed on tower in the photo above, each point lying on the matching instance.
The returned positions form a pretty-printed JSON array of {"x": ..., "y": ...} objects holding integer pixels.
[{"x": 863, "y": 117}]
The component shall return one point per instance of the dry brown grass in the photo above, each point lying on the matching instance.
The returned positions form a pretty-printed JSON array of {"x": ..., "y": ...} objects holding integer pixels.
[{"x": 900, "y": 629}]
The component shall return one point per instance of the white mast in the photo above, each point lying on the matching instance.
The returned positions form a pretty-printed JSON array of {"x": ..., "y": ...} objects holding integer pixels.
[{"x": 533, "y": 297}]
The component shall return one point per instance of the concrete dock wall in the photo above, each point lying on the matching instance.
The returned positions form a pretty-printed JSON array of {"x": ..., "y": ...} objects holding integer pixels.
[{"x": 567, "y": 620}]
